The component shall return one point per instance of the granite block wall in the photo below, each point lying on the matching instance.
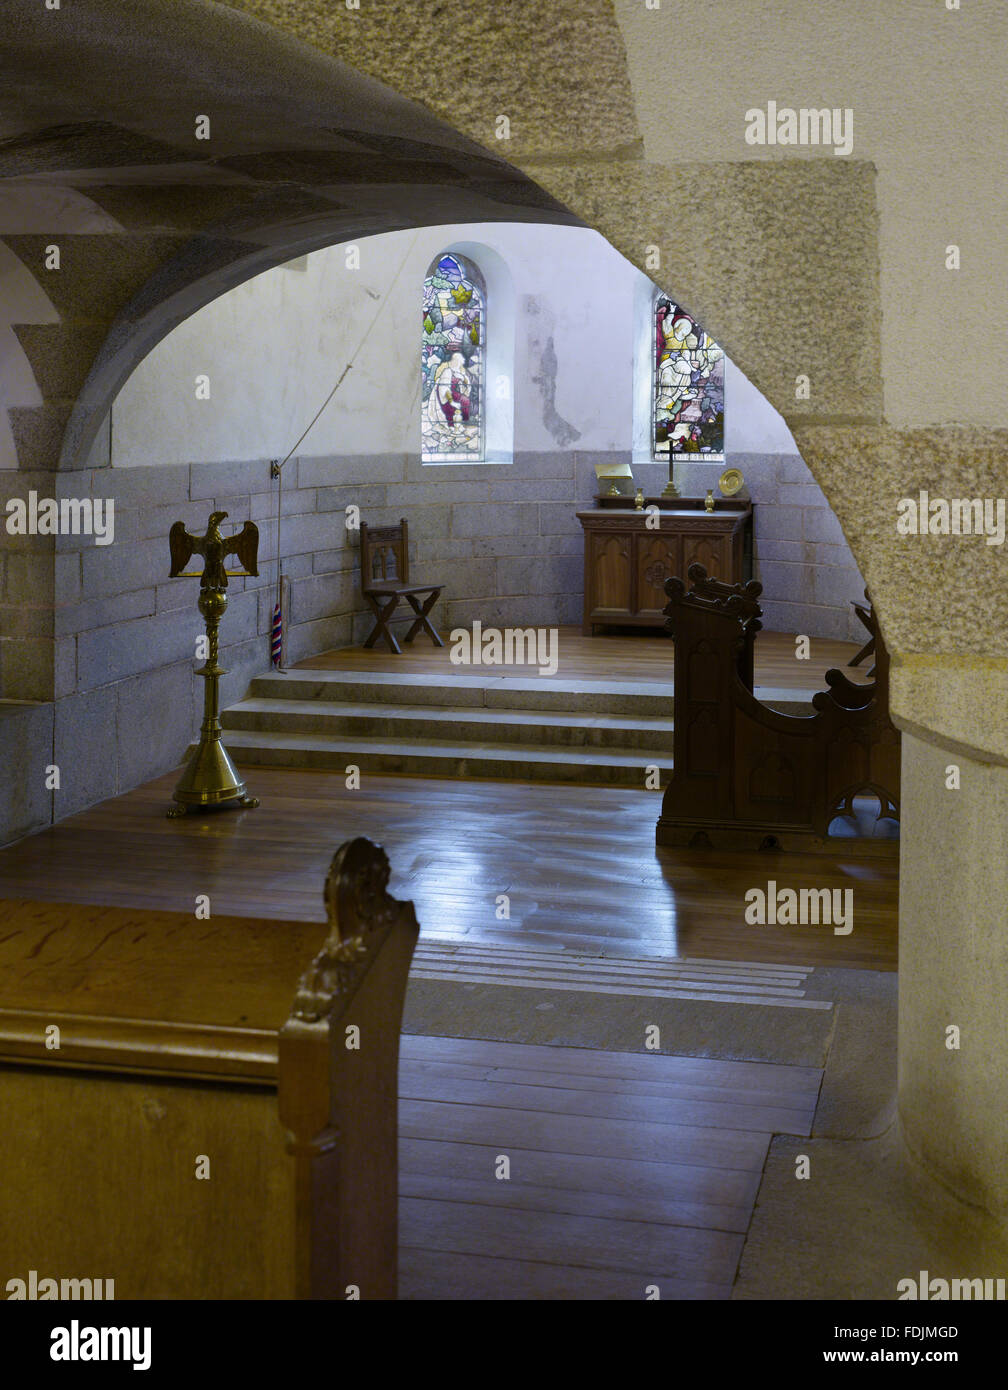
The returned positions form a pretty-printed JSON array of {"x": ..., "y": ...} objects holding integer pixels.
[{"x": 105, "y": 634}]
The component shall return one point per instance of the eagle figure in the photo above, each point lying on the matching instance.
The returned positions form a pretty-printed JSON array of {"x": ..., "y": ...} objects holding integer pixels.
[{"x": 214, "y": 547}]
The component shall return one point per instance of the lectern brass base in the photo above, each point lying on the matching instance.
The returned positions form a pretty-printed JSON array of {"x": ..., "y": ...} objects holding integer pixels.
[{"x": 211, "y": 783}]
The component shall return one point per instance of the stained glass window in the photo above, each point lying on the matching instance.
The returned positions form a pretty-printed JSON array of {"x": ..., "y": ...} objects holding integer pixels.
[
  {"x": 454, "y": 338},
  {"x": 688, "y": 385}
]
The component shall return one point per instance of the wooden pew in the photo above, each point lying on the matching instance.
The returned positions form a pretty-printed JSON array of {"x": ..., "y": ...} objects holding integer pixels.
[
  {"x": 224, "y": 1046},
  {"x": 748, "y": 777}
]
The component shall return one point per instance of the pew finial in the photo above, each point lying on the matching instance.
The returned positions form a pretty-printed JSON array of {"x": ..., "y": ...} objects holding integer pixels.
[{"x": 361, "y": 912}]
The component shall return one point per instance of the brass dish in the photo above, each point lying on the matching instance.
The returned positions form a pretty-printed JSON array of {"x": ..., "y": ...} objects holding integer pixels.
[{"x": 730, "y": 481}]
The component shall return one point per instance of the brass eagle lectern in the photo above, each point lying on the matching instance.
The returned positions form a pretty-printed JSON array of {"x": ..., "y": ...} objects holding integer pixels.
[{"x": 211, "y": 781}]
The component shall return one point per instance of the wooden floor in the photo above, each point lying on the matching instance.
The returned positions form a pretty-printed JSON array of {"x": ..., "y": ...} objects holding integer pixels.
[
  {"x": 626, "y": 1170},
  {"x": 630, "y": 657},
  {"x": 578, "y": 865}
]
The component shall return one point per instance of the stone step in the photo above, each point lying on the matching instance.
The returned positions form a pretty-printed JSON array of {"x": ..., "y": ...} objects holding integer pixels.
[
  {"x": 429, "y": 758},
  {"x": 643, "y": 699},
  {"x": 466, "y": 725}
]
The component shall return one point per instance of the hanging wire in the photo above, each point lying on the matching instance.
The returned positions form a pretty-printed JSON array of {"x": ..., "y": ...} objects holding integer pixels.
[{"x": 276, "y": 468}]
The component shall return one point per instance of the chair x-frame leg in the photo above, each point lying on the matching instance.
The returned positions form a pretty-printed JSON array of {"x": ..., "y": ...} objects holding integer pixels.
[{"x": 383, "y": 611}]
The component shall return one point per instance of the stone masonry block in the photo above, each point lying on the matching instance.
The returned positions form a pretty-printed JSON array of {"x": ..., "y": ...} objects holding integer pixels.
[
  {"x": 331, "y": 561},
  {"x": 67, "y": 578},
  {"x": 141, "y": 487},
  {"x": 85, "y": 750},
  {"x": 572, "y": 544},
  {"x": 553, "y": 575},
  {"x": 323, "y": 635},
  {"x": 116, "y": 569},
  {"x": 820, "y": 524},
  {"x": 26, "y": 620},
  {"x": 781, "y": 524},
  {"x": 322, "y": 596},
  {"x": 834, "y": 586},
  {"x": 439, "y": 550},
  {"x": 26, "y": 666},
  {"x": 467, "y": 578},
  {"x": 104, "y": 612},
  {"x": 427, "y": 522},
  {"x": 359, "y": 469},
  {"x": 126, "y": 649},
  {"x": 237, "y": 508},
  {"x": 305, "y": 532},
  {"x": 29, "y": 578},
  {"x": 533, "y": 466},
  {"x": 243, "y": 661},
  {"x": 810, "y": 619},
  {"x": 263, "y": 505},
  {"x": 538, "y": 490},
  {"x": 558, "y": 519},
  {"x": 229, "y": 479},
  {"x": 483, "y": 519},
  {"x": 538, "y": 611},
  {"x": 148, "y": 747},
  {"x": 451, "y": 475},
  {"x": 64, "y": 666},
  {"x": 154, "y": 523},
  {"x": 792, "y": 468},
  {"x": 363, "y": 495},
  {"x": 784, "y": 581},
  {"x": 426, "y": 494},
  {"x": 26, "y": 734},
  {"x": 793, "y": 552},
  {"x": 122, "y": 523},
  {"x": 808, "y": 494}
]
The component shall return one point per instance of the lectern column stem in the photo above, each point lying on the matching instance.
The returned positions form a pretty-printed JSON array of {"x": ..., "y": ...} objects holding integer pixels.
[{"x": 211, "y": 780}]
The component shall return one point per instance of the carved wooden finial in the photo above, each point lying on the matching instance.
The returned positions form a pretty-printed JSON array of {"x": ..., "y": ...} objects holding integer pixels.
[{"x": 360, "y": 911}]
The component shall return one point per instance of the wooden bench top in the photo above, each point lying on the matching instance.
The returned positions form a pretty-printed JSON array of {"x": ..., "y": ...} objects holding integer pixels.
[{"x": 147, "y": 990}]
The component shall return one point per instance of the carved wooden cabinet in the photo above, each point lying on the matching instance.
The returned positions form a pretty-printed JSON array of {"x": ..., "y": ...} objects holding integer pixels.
[{"x": 627, "y": 564}]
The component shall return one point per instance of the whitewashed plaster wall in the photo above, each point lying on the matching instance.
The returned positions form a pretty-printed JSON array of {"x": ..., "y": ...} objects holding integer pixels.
[
  {"x": 275, "y": 346},
  {"x": 580, "y": 369}
]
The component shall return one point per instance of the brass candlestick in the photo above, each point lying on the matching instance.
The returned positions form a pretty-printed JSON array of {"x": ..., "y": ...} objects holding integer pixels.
[
  {"x": 210, "y": 780},
  {"x": 670, "y": 489}
]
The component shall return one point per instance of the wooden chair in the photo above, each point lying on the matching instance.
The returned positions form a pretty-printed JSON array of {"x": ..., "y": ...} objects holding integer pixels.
[{"x": 384, "y": 552}]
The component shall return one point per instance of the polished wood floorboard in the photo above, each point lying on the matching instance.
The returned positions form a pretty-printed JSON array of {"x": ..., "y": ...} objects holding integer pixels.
[
  {"x": 618, "y": 1180},
  {"x": 631, "y": 657},
  {"x": 578, "y": 864}
]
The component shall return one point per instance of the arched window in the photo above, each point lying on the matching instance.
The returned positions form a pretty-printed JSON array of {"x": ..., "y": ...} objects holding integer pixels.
[
  {"x": 688, "y": 386},
  {"x": 452, "y": 362}
]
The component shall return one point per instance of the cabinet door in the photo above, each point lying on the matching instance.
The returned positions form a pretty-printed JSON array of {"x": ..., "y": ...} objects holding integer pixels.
[
  {"x": 609, "y": 575},
  {"x": 713, "y": 552},
  {"x": 656, "y": 557}
]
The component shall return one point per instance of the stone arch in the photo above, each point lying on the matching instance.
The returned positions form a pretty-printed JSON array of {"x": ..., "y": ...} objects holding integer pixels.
[{"x": 796, "y": 280}]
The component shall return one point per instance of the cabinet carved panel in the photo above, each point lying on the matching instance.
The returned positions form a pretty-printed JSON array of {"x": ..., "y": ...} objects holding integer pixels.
[
  {"x": 627, "y": 561},
  {"x": 713, "y": 552},
  {"x": 657, "y": 558},
  {"x": 611, "y": 572}
]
